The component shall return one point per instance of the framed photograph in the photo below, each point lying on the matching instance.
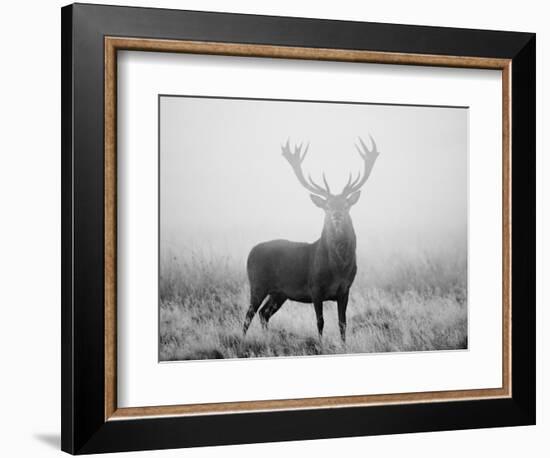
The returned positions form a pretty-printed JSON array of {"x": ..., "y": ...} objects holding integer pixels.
[{"x": 285, "y": 228}]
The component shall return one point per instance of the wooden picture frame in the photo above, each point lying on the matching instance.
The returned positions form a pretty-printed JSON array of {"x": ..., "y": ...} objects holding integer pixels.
[{"x": 91, "y": 419}]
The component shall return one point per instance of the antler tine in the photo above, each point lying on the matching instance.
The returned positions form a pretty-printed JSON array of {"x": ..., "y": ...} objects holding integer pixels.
[
  {"x": 354, "y": 182},
  {"x": 369, "y": 158},
  {"x": 359, "y": 150},
  {"x": 374, "y": 148},
  {"x": 326, "y": 183},
  {"x": 349, "y": 181},
  {"x": 295, "y": 160},
  {"x": 324, "y": 191},
  {"x": 373, "y": 151},
  {"x": 304, "y": 154}
]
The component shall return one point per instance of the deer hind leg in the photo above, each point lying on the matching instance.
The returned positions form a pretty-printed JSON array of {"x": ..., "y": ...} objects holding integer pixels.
[
  {"x": 273, "y": 304},
  {"x": 255, "y": 302}
]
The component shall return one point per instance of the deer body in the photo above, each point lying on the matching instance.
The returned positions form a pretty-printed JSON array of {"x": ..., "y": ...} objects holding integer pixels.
[
  {"x": 309, "y": 272},
  {"x": 303, "y": 272}
]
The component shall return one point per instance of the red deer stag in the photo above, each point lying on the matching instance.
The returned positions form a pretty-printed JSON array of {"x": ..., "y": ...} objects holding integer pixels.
[{"x": 310, "y": 272}]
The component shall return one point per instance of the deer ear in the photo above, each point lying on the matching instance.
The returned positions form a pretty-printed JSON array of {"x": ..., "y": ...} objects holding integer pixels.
[
  {"x": 352, "y": 200},
  {"x": 319, "y": 201}
]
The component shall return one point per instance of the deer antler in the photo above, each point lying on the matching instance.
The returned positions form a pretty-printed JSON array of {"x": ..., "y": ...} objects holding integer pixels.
[
  {"x": 369, "y": 158},
  {"x": 295, "y": 160}
]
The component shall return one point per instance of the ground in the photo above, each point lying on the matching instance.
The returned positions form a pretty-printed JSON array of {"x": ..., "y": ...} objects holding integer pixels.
[{"x": 416, "y": 305}]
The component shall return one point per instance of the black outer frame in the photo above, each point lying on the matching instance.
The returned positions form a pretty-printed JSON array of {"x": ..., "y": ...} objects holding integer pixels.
[{"x": 83, "y": 427}]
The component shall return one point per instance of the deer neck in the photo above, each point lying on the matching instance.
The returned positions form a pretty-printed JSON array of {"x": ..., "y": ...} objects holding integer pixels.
[{"x": 340, "y": 245}]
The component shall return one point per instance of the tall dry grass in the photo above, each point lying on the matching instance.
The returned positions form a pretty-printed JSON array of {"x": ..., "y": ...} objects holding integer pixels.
[{"x": 413, "y": 303}]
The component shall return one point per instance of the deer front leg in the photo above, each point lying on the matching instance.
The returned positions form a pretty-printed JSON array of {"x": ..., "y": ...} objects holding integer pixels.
[
  {"x": 320, "y": 320},
  {"x": 342, "y": 306}
]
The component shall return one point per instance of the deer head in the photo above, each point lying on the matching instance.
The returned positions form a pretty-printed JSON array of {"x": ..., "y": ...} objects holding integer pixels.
[{"x": 336, "y": 206}]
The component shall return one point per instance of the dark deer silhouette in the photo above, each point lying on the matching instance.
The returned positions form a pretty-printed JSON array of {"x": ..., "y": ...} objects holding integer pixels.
[{"x": 310, "y": 272}]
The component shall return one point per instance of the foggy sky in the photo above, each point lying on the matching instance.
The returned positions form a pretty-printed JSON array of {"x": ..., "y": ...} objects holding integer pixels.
[{"x": 225, "y": 186}]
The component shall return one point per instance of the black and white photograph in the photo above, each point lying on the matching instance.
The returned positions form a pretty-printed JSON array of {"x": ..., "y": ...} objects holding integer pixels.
[
  {"x": 248, "y": 229},
  {"x": 292, "y": 228}
]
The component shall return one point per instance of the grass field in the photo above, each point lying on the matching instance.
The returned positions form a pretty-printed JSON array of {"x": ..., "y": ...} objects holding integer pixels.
[{"x": 413, "y": 303}]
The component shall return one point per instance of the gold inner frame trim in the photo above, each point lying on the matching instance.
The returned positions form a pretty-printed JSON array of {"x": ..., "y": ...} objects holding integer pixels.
[{"x": 114, "y": 44}]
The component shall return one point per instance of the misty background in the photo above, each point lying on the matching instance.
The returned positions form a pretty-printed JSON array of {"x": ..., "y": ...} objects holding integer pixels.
[{"x": 224, "y": 185}]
